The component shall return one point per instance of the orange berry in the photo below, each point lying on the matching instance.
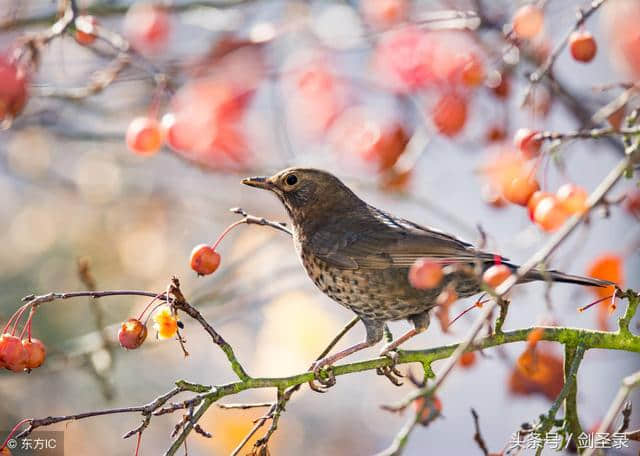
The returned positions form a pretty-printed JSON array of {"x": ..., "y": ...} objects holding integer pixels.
[
  {"x": 4, "y": 451},
  {"x": 429, "y": 412},
  {"x": 384, "y": 13},
  {"x": 527, "y": 21},
  {"x": 608, "y": 266},
  {"x": 144, "y": 136},
  {"x": 166, "y": 323},
  {"x": 425, "y": 274},
  {"x": 204, "y": 260},
  {"x": 473, "y": 72},
  {"x": 495, "y": 134},
  {"x": 132, "y": 334},
  {"x": 525, "y": 141},
  {"x": 519, "y": 189},
  {"x": 496, "y": 274},
  {"x": 467, "y": 359},
  {"x": 36, "y": 352},
  {"x": 549, "y": 214},
  {"x": 533, "y": 202},
  {"x": 450, "y": 114},
  {"x": 583, "y": 46},
  {"x": 534, "y": 336},
  {"x": 13, "y": 355},
  {"x": 85, "y": 33},
  {"x": 572, "y": 198}
]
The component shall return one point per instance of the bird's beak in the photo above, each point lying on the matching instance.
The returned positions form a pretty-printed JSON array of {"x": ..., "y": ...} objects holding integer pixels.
[{"x": 258, "y": 182}]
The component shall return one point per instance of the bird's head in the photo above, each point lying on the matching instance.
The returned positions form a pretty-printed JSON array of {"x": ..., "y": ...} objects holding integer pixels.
[{"x": 308, "y": 193}]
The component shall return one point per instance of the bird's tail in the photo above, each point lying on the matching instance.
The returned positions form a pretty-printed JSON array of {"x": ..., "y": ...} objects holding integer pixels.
[{"x": 557, "y": 276}]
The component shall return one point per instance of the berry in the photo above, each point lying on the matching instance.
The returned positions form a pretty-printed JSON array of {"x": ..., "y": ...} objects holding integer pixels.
[
  {"x": 549, "y": 214},
  {"x": 144, "y": 136},
  {"x": 572, "y": 198},
  {"x": 429, "y": 412},
  {"x": 496, "y": 274},
  {"x": 450, "y": 114},
  {"x": 36, "y": 352},
  {"x": 204, "y": 260},
  {"x": 384, "y": 13},
  {"x": 527, "y": 22},
  {"x": 473, "y": 72},
  {"x": 525, "y": 141},
  {"x": 85, "y": 33},
  {"x": 608, "y": 266},
  {"x": 166, "y": 323},
  {"x": 583, "y": 46},
  {"x": 13, "y": 355},
  {"x": 147, "y": 27},
  {"x": 132, "y": 334},
  {"x": 13, "y": 89},
  {"x": 467, "y": 359},
  {"x": 519, "y": 189},
  {"x": 503, "y": 88},
  {"x": 425, "y": 274},
  {"x": 4, "y": 451},
  {"x": 533, "y": 202}
]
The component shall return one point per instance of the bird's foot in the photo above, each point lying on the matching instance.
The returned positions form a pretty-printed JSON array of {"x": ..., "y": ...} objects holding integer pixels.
[
  {"x": 391, "y": 371},
  {"x": 323, "y": 373}
]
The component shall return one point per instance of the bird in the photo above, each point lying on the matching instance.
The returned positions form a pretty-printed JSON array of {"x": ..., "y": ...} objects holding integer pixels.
[{"x": 360, "y": 256}]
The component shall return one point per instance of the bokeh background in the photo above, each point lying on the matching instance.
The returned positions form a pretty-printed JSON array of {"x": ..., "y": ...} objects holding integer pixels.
[{"x": 72, "y": 190}]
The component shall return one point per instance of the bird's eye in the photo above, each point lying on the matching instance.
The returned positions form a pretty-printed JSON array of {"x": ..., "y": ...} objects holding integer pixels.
[{"x": 291, "y": 179}]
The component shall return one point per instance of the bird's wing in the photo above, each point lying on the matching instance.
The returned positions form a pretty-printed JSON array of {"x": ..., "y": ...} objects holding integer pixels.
[{"x": 385, "y": 242}]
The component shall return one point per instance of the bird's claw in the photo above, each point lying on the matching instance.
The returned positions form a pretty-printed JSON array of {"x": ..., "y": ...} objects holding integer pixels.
[
  {"x": 391, "y": 372},
  {"x": 325, "y": 381}
]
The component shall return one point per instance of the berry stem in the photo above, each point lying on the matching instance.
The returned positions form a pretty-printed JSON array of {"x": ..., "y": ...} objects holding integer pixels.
[
  {"x": 13, "y": 431},
  {"x": 598, "y": 301},
  {"x": 27, "y": 325},
  {"x": 18, "y": 317},
  {"x": 149, "y": 305},
  {"x": 138, "y": 443},
  {"x": 12, "y": 318},
  {"x": 226, "y": 231}
]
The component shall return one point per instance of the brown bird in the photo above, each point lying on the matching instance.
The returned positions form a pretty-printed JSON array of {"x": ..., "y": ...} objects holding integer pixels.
[{"x": 360, "y": 256}]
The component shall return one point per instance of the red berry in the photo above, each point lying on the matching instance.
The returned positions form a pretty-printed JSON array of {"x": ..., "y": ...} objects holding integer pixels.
[
  {"x": 549, "y": 214},
  {"x": 583, "y": 46},
  {"x": 525, "y": 141},
  {"x": 204, "y": 260},
  {"x": 144, "y": 136},
  {"x": 13, "y": 355},
  {"x": 36, "y": 352},
  {"x": 85, "y": 33},
  {"x": 496, "y": 274},
  {"x": 132, "y": 334},
  {"x": 425, "y": 274},
  {"x": 450, "y": 114},
  {"x": 572, "y": 198},
  {"x": 528, "y": 21},
  {"x": 13, "y": 89},
  {"x": 147, "y": 26},
  {"x": 503, "y": 88}
]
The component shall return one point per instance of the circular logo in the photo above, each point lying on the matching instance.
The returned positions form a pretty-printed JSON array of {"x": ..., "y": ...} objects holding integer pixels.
[{"x": 12, "y": 444}]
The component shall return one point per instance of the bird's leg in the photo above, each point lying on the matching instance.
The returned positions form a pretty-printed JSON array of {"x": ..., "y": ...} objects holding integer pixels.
[
  {"x": 391, "y": 372},
  {"x": 374, "y": 335},
  {"x": 420, "y": 323}
]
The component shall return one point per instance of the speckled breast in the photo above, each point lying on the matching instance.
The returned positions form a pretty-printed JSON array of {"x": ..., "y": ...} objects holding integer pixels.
[{"x": 374, "y": 294}]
